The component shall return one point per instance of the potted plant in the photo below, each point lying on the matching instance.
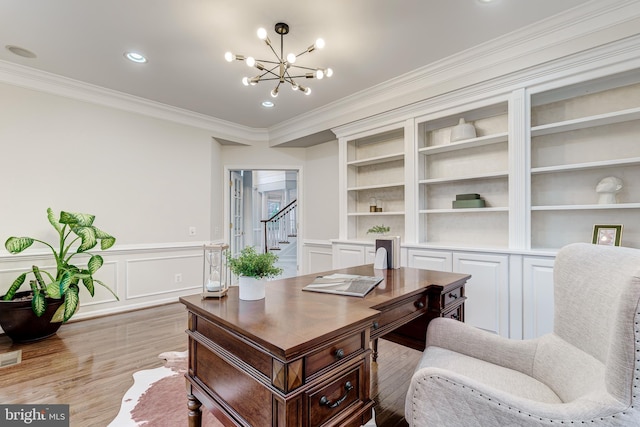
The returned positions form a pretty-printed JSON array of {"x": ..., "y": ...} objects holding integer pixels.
[
  {"x": 53, "y": 300},
  {"x": 253, "y": 269},
  {"x": 379, "y": 229}
]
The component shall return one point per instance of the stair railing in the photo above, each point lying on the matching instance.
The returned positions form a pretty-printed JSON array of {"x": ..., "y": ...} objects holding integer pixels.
[{"x": 280, "y": 227}]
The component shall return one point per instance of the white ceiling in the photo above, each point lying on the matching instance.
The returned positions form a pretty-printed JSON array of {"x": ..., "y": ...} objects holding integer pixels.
[{"x": 367, "y": 42}]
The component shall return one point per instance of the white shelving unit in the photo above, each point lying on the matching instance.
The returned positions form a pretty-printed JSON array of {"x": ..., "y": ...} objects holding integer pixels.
[
  {"x": 375, "y": 170},
  {"x": 477, "y": 165},
  {"x": 543, "y": 144},
  {"x": 578, "y": 137}
]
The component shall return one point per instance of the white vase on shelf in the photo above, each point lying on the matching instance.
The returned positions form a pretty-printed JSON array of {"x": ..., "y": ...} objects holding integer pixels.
[{"x": 462, "y": 131}]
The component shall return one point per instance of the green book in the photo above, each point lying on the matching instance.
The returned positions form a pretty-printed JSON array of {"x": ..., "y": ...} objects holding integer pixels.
[
  {"x": 472, "y": 203},
  {"x": 470, "y": 196}
]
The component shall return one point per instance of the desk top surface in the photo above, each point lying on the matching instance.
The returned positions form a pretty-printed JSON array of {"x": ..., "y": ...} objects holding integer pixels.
[{"x": 288, "y": 319}]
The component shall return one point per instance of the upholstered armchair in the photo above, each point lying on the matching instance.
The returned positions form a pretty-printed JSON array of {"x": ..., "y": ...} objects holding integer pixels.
[{"x": 586, "y": 372}]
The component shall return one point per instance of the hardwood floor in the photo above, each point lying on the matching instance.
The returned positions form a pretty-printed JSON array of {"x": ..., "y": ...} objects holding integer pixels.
[{"x": 89, "y": 365}]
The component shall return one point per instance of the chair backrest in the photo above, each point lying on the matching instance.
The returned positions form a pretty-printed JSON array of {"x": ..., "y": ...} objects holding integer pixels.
[{"x": 596, "y": 308}]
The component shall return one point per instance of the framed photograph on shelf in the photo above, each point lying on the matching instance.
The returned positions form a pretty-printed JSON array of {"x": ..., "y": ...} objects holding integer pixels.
[{"x": 608, "y": 235}]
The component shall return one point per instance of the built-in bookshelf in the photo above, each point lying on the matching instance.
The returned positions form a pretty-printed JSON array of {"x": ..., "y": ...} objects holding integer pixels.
[
  {"x": 581, "y": 134},
  {"x": 477, "y": 165},
  {"x": 375, "y": 182}
]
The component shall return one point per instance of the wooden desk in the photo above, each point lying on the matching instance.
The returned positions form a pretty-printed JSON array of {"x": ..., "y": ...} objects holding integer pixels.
[{"x": 302, "y": 358}]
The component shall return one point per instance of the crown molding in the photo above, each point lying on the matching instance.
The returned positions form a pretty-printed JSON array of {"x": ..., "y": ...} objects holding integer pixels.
[
  {"x": 31, "y": 78},
  {"x": 591, "y": 25}
]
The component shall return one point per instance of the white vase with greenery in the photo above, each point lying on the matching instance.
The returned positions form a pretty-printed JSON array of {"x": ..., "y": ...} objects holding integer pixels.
[{"x": 253, "y": 270}]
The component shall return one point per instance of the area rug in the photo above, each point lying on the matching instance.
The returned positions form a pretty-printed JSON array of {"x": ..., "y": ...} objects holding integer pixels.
[{"x": 158, "y": 397}]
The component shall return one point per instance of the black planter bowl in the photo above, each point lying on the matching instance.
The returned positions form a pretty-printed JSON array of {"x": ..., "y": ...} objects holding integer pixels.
[{"x": 20, "y": 323}]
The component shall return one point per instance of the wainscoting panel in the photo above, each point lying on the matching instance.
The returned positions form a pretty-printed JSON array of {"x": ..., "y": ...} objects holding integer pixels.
[{"x": 142, "y": 276}]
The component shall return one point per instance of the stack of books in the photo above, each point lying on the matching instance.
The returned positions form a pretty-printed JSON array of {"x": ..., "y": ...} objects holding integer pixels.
[{"x": 471, "y": 200}]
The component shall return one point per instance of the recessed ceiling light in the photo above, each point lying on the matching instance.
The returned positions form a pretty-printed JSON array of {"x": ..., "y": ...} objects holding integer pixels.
[
  {"x": 20, "y": 51},
  {"x": 135, "y": 57},
  {"x": 267, "y": 104}
]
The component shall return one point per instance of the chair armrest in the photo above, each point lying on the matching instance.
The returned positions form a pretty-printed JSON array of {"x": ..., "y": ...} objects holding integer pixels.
[{"x": 465, "y": 339}]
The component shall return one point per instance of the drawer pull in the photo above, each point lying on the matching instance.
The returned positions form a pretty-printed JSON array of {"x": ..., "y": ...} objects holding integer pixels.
[
  {"x": 419, "y": 304},
  {"x": 454, "y": 316},
  {"x": 339, "y": 353},
  {"x": 324, "y": 401},
  {"x": 376, "y": 325},
  {"x": 452, "y": 295}
]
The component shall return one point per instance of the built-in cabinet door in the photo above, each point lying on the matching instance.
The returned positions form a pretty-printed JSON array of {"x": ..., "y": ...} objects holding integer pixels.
[
  {"x": 429, "y": 260},
  {"x": 347, "y": 255},
  {"x": 537, "y": 295},
  {"x": 369, "y": 254},
  {"x": 487, "y": 304}
]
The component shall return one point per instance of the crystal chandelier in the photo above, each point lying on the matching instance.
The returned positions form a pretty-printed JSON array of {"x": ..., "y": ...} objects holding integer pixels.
[{"x": 282, "y": 69}]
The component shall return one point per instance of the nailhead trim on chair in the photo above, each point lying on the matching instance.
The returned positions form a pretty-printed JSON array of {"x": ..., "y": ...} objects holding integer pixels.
[
  {"x": 550, "y": 420},
  {"x": 613, "y": 416}
]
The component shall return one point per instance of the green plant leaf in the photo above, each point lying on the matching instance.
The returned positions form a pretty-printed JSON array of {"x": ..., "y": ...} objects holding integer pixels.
[
  {"x": 58, "y": 316},
  {"x": 14, "y": 287},
  {"x": 106, "y": 240},
  {"x": 39, "y": 303},
  {"x": 15, "y": 245},
  {"x": 88, "y": 237},
  {"x": 88, "y": 283},
  {"x": 53, "y": 290},
  {"x": 65, "y": 282},
  {"x": 71, "y": 303},
  {"x": 53, "y": 221},
  {"x": 107, "y": 287},
  {"x": 74, "y": 218},
  {"x": 95, "y": 262}
]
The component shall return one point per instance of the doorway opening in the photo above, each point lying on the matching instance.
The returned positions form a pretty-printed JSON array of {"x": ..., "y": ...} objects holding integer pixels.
[{"x": 264, "y": 213}]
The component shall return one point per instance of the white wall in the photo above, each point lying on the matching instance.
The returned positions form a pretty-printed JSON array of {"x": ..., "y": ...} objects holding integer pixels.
[{"x": 147, "y": 181}]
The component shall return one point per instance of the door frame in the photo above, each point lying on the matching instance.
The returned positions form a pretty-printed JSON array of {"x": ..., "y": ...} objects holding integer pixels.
[{"x": 300, "y": 217}]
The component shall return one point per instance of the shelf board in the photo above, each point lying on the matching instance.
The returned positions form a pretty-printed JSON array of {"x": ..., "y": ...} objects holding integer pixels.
[
  {"x": 465, "y": 210},
  {"x": 489, "y": 175},
  {"x": 376, "y": 186},
  {"x": 586, "y": 207},
  {"x": 389, "y": 213},
  {"x": 376, "y": 160},
  {"x": 467, "y": 143},
  {"x": 587, "y": 122},
  {"x": 588, "y": 165}
]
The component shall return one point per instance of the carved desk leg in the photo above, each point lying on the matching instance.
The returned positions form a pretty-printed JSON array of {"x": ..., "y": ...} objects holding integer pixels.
[
  {"x": 374, "y": 356},
  {"x": 195, "y": 413}
]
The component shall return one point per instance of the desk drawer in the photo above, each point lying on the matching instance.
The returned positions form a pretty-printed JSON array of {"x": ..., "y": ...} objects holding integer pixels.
[
  {"x": 455, "y": 314},
  {"x": 329, "y": 403},
  {"x": 335, "y": 352},
  {"x": 409, "y": 307},
  {"x": 452, "y": 296}
]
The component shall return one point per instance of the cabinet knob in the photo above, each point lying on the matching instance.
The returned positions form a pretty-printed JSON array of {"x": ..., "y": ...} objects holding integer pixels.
[
  {"x": 376, "y": 325},
  {"x": 419, "y": 304},
  {"x": 454, "y": 316},
  {"x": 339, "y": 353},
  {"x": 326, "y": 402},
  {"x": 452, "y": 295}
]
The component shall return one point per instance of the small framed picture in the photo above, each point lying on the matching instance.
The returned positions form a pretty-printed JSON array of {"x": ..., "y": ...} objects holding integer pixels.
[{"x": 609, "y": 235}]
